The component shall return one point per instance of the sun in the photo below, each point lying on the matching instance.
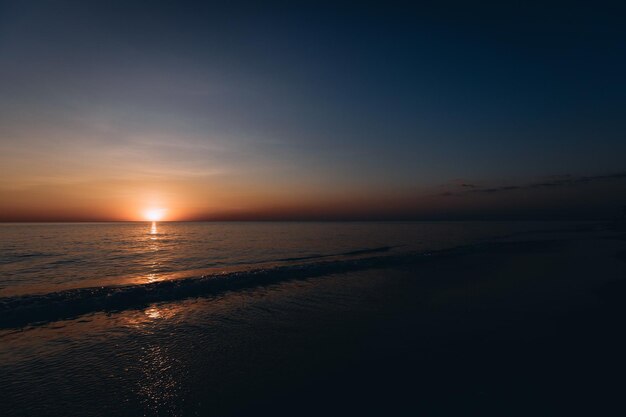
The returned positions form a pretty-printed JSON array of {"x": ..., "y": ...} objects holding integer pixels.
[{"x": 154, "y": 215}]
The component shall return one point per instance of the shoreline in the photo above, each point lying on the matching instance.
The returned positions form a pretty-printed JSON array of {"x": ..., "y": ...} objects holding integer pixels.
[
  {"x": 39, "y": 308},
  {"x": 509, "y": 328}
]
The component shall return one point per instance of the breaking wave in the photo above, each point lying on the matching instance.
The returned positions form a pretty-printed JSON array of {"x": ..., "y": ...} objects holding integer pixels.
[{"x": 17, "y": 311}]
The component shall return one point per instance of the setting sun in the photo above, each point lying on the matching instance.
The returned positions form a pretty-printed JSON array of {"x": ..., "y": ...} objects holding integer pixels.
[{"x": 154, "y": 215}]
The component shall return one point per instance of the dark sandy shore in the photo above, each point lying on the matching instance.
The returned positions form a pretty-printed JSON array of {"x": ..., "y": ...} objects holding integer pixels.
[
  {"x": 526, "y": 325},
  {"x": 516, "y": 327}
]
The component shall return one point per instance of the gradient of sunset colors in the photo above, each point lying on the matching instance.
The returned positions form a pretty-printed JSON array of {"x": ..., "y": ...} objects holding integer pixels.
[{"x": 196, "y": 111}]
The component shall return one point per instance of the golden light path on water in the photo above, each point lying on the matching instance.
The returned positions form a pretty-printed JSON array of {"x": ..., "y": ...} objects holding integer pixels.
[
  {"x": 154, "y": 247},
  {"x": 159, "y": 366}
]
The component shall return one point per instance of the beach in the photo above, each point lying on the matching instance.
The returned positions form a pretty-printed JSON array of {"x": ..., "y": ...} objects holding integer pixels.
[
  {"x": 525, "y": 324},
  {"x": 326, "y": 209}
]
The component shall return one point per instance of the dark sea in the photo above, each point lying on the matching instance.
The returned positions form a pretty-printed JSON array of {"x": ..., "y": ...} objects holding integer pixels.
[
  {"x": 42, "y": 258},
  {"x": 293, "y": 318}
]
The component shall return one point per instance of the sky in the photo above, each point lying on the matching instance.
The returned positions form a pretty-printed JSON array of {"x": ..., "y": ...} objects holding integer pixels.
[{"x": 311, "y": 111}]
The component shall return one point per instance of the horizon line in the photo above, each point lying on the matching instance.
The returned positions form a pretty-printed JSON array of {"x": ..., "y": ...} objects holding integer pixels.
[{"x": 317, "y": 220}]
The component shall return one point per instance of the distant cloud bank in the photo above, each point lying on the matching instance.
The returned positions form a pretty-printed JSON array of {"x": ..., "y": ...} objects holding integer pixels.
[{"x": 555, "y": 181}]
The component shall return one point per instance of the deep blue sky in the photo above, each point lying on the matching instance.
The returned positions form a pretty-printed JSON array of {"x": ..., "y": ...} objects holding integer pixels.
[{"x": 296, "y": 108}]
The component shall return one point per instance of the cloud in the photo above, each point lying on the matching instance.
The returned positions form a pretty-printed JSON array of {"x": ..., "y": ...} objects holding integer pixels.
[{"x": 551, "y": 182}]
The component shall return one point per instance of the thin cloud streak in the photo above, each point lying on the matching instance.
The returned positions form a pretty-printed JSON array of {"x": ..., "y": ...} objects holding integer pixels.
[{"x": 562, "y": 181}]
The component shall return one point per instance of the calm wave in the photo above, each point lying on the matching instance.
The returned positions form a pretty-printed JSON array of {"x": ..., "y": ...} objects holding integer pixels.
[
  {"x": 43, "y": 258},
  {"x": 56, "y": 271}
]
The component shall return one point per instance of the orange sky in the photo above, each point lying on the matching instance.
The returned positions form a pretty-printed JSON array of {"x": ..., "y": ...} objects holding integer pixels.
[
  {"x": 344, "y": 114},
  {"x": 220, "y": 199}
]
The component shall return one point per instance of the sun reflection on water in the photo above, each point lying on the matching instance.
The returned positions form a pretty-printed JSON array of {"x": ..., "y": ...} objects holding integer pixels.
[
  {"x": 145, "y": 319},
  {"x": 154, "y": 245},
  {"x": 153, "y": 313},
  {"x": 152, "y": 278},
  {"x": 160, "y": 386}
]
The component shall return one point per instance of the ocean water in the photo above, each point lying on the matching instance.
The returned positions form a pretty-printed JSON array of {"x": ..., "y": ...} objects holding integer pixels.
[
  {"x": 200, "y": 318},
  {"x": 44, "y": 258},
  {"x": 58, "y": 271}
]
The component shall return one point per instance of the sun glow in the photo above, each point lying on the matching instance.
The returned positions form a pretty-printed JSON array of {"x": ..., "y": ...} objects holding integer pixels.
[{"x": 154, "y": 215}]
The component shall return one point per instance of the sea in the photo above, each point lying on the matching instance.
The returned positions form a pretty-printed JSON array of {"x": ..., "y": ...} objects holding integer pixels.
[{"x": 201, "y": 318}]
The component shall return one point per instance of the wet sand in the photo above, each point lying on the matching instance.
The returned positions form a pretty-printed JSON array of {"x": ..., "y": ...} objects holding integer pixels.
[
  {"x": 527, "y": 325},
  {"x": 514, "y": 328}
]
